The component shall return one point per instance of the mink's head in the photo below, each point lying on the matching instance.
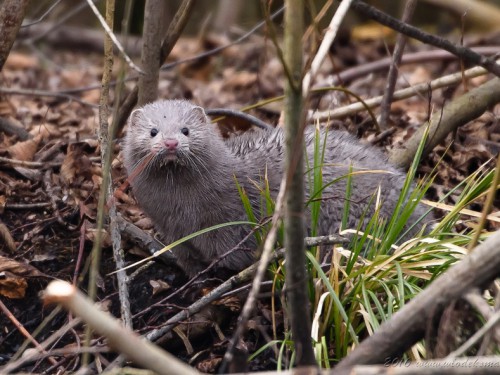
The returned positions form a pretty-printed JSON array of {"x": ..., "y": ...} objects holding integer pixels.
[{"x": 173, "y": 133}]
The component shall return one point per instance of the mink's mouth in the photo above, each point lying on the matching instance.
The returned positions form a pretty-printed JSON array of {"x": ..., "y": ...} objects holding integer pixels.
[{"x": 169, "y": 157}]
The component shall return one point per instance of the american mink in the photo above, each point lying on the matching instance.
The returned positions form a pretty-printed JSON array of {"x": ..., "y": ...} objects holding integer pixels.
[{"x": 190, "y": 182}]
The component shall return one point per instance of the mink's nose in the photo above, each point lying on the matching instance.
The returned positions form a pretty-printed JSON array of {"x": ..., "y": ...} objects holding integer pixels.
[{"x": 171, "y": 144}]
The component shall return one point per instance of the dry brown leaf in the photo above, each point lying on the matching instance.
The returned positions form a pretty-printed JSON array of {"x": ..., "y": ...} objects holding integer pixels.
[
  {"x": 91, "y": 234},
  {"x": 12, "y": 286},
  {"x": 18, "y": 268},
  {"x": 46, "y": 131},
  {"x": 5, "y": 236},
  {"x": 76, "y": 164},
  {"x": 25, "y": 150},
  {"x": 209, "y": 365}
]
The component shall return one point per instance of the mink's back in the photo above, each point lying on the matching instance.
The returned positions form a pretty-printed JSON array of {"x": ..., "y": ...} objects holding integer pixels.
[{"x": 264, "y": 150}]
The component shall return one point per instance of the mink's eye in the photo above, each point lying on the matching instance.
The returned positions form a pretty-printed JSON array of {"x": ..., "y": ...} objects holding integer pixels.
[
  {"x": 185, "y": 131},
  {"x": 154, "y": 131}
]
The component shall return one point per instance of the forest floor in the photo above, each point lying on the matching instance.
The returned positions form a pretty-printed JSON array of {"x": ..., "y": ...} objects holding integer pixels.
[{"x": 50, "y": 187}]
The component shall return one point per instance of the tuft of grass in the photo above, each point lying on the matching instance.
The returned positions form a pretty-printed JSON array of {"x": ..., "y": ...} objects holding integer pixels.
[{"x": 382, "y": 267}]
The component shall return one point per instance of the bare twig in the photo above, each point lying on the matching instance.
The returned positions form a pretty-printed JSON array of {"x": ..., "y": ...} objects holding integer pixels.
[
  {"x": 448, "y": 80},
  {"x": 413, "y": 32},
  {"x": 45, "y": 14},
  {"x": 385, "y": 106},
  {"x": 28, "y": 164},
  {"x": 23, "y": 330},
  {"x": 245, "y": 275},
  {"x": 111, "y": 35},
  {"x": 408, "y": 58},
  {"x": 324, "y": 48},
  {"x": 244, "y": 116}
]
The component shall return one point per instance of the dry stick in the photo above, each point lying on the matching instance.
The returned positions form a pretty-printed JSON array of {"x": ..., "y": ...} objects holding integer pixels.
[
  {"x": 27, "y": 357},
  {"x": 385, "y": 106},
  {"x": 408, "y": 325},
  {"x": 238, "y": 114},
  {"x": 109, "y": 31},
  {"x": 408, "y": 58},
  {"x": 173, "y": 33},
  {"x": 296, "y": 274},
  {"x": 324, "y": 48},
  {"x": 448, "y": 80},
  {"x": 45, "y": 14},
  {"x": 23, "y": 330},
  {"x": 11, "y": 16},
  {"x": 458, "y": 112},
  {"x": 150, "y": 58},
  {"x": 249, "y": 273},
  {"x": 413, "y": 32},
  {"x": 124, "y": 340}
]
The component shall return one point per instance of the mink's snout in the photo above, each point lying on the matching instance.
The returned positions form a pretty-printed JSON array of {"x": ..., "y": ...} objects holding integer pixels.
[{"x": 171, "y": 144}]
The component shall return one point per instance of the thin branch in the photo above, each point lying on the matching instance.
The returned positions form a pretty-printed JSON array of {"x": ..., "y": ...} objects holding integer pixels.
[
  {"x": 45, "y": 14},
  {"x": 324, "y": 48},
  {"x": 385, "y": 106},
  {"x": 109, "y": 31},
  {"x": 444, "y": 81},
  {"x": 464, "y": 53},
  {"x": 241, "y": 115}
]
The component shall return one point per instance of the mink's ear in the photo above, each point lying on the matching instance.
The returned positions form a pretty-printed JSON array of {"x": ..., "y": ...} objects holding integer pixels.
[
  {"x": 199, "y": 114},
  {"x": 135, "y": 116}
]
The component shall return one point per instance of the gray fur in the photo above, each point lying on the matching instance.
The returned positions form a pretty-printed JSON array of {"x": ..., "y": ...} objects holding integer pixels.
[{"x": 198, "y": 189}]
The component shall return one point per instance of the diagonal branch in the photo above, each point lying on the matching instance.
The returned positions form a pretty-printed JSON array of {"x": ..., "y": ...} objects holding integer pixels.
[{"x": 464, "y": 53}]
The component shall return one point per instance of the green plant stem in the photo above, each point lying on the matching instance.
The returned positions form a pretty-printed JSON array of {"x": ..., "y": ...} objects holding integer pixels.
[{"x": 296, "y": 275}]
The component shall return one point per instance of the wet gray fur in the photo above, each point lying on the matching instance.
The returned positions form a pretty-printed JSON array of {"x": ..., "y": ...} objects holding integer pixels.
[{"x": 198, "y": 190}]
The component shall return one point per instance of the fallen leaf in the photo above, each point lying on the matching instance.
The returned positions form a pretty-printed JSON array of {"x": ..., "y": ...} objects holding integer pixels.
[
  {"x": 25, "y": 151},
  {"x": 159, "y": 286}
]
